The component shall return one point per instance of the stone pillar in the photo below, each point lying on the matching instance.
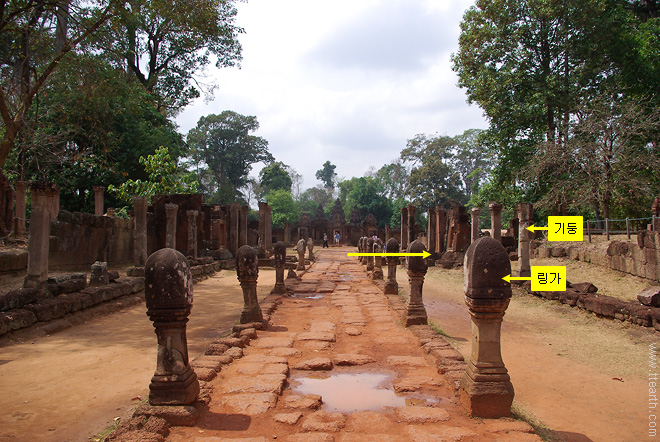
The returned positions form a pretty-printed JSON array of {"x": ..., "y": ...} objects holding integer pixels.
[
  {"x": 476, "y": 231},
  {"x": 310, "y": 249},
  {"x": 370, "y": 249},
  {"x": 391, "y": 286},
  {"x": 300, "y": 248},
  {"x": 55, "y": 210},
  {"x": 269, "y": 229},
  {"x": 404, "y": 227},
  {"x": 216, "y": 233},
  {"x": 496, "y": 220},
  {"x": 243, "y": 229},
  {"x": 140, "y": 205},
  {"x": 486, "y": 389},
  {"x": 192, "y": 233},
  {"x": 169, "y": 293},
  {"x": 279, "y": 259},
  {"x": 287, "y": 234},
  {"x": 39, "y": 241},
  {"x": 262, "y": 228},
  {"x": 430, "y": 231},
  {"x": 378, "y": 266},
  {"x": 98, "y": 200},
  {"x": 411, "y": 223},
  {"x": 21, "y": 190},
  {"x": 417, "y": 267},
  {"x": 170, "y": 225},
  {"x": 440, "y": 227},
  {"x": 524, "y": 211},
  {"x": 363, "y": 244},
  {"x": 247, "y": 270},
  {"x": 233, "y": 227}
]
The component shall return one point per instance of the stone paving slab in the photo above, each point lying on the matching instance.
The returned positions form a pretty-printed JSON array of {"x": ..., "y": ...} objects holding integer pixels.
[{"x": 352, "y": 329}]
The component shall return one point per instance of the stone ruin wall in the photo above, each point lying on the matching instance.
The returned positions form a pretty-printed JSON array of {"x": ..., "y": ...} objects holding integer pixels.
[
  {"x": 639, "y": 259},
  {"x": 79, "y": 239}
]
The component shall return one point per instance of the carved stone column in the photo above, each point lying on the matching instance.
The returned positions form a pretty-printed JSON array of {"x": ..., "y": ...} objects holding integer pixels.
[
  {"x": 430, "y": 231},
  {"x": 496, "y": 220},
  {"x": 475, "y": 211},
  {"x": 39, "y": 241},
  {"x": 486, "y": 389},
  {"x": 412, "y": 234},
  {"x": 192, "y": 232},
  {"x": 243, "y": 227},
  {"x": 417, "y": 267},
  {"x": 279, "y": 259},
  {"x": 247, "y": 270},
  {"x": 170, "y": 225},
  {"x": 525, "y": 217},
  {"x": 21, "y": 191},
  {"x": 300, "y": 248},
  {"x": 391, "y": 286},
  {"x": 268, "y": 243},
  {"x": 169, "y": 296},
  {"x": 262, "y": 229},
  {"x": 378, "y": 266},
  {"x": 404, "y": 227},
  {"x": 440, "y": 229},
  {"x": 287, "y": 234},
  {"x": 140, "y": 205},
  {"x": 98, "y": 200},
  {"x": 233, "y": 227}
]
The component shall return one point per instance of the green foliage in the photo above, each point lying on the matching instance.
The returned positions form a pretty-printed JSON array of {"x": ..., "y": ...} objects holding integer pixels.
[
  {"x": 314, "y": 197},
  {"x": 367, "y": 196},
  {"x": 164, "y": 178},
  {"x": 224, "y": 145},
  {"x": 165, "y": 43},
  {"x": 284, "y": 208},
  {"x": 275, "y": 177},
  {"x": 327, "y": 175}
]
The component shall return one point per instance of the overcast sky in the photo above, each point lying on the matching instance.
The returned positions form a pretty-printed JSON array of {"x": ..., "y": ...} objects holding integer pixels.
[{"x": 347, "y": 81}]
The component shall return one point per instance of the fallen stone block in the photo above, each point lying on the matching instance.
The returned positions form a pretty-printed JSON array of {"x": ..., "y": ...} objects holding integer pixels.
[{"x": 650, "y": 296}]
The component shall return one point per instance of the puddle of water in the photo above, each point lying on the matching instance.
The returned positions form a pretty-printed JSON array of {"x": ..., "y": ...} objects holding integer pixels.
[
  {"x": 352, "y": 392},
  {"x": 306, "y": 296}
]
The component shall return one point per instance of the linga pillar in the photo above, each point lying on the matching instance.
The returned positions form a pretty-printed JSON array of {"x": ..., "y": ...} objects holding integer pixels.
[
  {"x": 310, "y": 249},
  {"x": 378, "y": 260},
  {"x": 300, "y": 248},
  {"x": 486, "y": 389},
  {"x": 417, "y": 267},
  {"x": 247, "y": 271},
  {"x": 370, "y": 249},
  {"x": 391, "y": 286},
  {"x": 279, "y": 259},
  {"x": 169, "y": 296}
]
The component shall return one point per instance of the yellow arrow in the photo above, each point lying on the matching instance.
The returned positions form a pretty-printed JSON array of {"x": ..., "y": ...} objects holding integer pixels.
[
  {"x": 508, "y": 278},
  {"x": 533, "y": 229},
  {"x": 423, "y": 254}
]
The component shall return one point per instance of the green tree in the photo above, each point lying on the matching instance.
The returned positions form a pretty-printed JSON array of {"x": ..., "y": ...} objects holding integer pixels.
[
  {"x": 224, "y": 145},
  {"x": 394, "y": 178},
  {"x": 164, "y": 178},
  {"x": 471, "y": 160},
  {"x": 314, "y": 197},
  {"x": 275, "y": 177},
  {"x": 35, "y": 38},
  {"x": 284, "y": 208},
  {"x": 165, "y": 44},
  {"x": 367, "y": 195},
  {"x": 327, "y": 175},
  {"x": 433, "y": 179}
]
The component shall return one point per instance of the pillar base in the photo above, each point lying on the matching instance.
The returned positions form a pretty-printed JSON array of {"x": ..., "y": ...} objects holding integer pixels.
[
  {"x": 391, "y": 288},
  {"x": 253, "y": 315},
  {"x": 377, "y": 274},
  {"x": 174, "y": 389},
  {"x": 486, "y": 399},
  {"x": 279, "y": 289},
  {"x": 416, "y": 316},
  {"x": 35, "y": 281}
]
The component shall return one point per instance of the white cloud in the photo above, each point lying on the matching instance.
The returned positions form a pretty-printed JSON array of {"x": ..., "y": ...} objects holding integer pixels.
[{"x": 344, "y": 81}]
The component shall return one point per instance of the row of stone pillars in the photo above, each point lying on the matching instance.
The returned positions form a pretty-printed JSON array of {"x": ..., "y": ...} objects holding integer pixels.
[{"x": 486, "y": 390}]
